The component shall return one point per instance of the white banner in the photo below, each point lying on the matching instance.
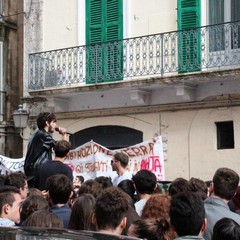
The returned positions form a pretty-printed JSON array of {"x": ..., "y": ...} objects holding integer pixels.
[
  {"x": 8, "y": 165},
  {"x": 92, "y": 160}
]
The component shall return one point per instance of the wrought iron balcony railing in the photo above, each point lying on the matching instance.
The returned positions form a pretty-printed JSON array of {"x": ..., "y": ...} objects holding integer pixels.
[{"x": 164, "y": 54}]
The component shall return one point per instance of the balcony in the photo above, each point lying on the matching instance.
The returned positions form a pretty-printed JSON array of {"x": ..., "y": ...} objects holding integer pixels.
[{"x": 164, "y": 56}]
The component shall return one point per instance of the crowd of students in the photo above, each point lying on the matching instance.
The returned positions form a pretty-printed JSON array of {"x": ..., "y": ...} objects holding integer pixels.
[
  {"x": 133, "y": 205},
  {"x": 136, "y": 207}
]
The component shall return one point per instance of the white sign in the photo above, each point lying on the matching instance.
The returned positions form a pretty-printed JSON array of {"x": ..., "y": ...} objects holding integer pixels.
[{"x": 92, "y": 160}]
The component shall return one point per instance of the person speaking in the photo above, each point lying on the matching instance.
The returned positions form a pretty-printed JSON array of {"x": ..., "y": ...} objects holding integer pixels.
[{"x": 41, "y": 145}]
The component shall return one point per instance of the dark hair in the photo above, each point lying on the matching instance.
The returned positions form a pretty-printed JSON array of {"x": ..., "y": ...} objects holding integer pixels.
[
  {"x": 81, "y": 215},
  {"x": 225, "y": 182},
  {"x": 198, "y": 185},
  {"x": 59, "y": 187},
  {"x": 90, "y": 186},
  {"x": 81, "y": 178},
  {"x": 45, "y": 117},
  {"x": 104, "y": 182},
  {"x": 145, "y": 181},
  {"x": 179, "y": 185},
  {"x": 110, "y": 208},
  {"x": 226, "y": 229},
  {"x": 128, "y": 187},
  {"x": 122, "y": 158},
  {"x": 32, "y": 204},
  {"x": 16, "y": 179},
  {"x": 150, "y": 229},
  {"x": 7, "y": 195},
  {"x": 44, "y": 218},
  {"x": 187, "y": 213},
  {"x": 132, "y": 216},
  {"x": 62, "y": 148}
]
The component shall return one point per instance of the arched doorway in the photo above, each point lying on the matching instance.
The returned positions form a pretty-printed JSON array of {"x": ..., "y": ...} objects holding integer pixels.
[{"x": 109, "y": 136}]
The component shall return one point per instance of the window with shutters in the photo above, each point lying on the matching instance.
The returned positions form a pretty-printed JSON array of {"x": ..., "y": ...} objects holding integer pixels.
[
  {"x": 104, "y": 29},
  {"x": 189, "y": 44}
]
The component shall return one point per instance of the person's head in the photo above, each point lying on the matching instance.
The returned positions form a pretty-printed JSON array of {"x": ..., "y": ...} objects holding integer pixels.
[
  {"x": 78, "y": 181},
  {"x": 90, "y": 186},
  {"x": 47, "y": 121},
  {"x": 32, "y": 204},
  {"x": 157, "y": 207},
  {"x": 187, "y": 214},
  {"x": 81, "y": 215},
  {"x": 145, "y": 182},
  {"x": 120, "y": 160},
  {"x": 110, "y": 210},
  {"x": 62, "y": 148},
  {"x": 225, "y": 183},
  {"x": 10, "y": 202},
  {"x": 44, "y": 219},
  {"x": 149, "y": 229},
  {"x": 179, "y": 185},
  {"x": 198, "y": 185},
  {"x": 59, "y": 188},
  {"x": 104, "y": 182},
  {"x": 34, "y": 192},
  {"x": 226, "y": 229},
  {"x": 18, "y": 180},
  {"x": 128, "y": 187}
]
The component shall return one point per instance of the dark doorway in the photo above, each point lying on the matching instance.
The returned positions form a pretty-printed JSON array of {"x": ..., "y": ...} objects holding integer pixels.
[{"x": 111, "y": 137}]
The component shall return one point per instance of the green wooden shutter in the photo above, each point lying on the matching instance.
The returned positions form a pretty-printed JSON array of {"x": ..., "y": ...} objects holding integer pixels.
[
  {"x": 189, "y": 41},
  {"x": 104, "y": 23}
]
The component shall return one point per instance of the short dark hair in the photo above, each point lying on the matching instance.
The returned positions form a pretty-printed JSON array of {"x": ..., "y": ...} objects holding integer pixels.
[
  {"x": 104, "y": 182},
  {"x": 60, "y": 188},
  {"x": 225, "y": 182},
  {"x": 179, "y": 185},
  {"x": 122, "y": 158},
  {"x": 128, "y": 187},
  {"x": 187, "y": 213},
  {"x": 226, "y": 229},
  {"x": 62, "y": 148},
  {"x": 44, "y": 117},
  {"x": 198, "y": 185},
  {"x": 145, "y": 181},
  {"x": 80, "y": 178},
  {"x": 110, "y": 208},
  {"x": 16, "y": 179},
  {"x": 7, "y": 196}
]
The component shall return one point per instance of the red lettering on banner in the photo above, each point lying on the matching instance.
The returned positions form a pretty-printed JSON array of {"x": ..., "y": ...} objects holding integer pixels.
[
  {"x": 151, "y": 146},
  {"x": 152, "y": 164},
  {"x": 144, "y": 150}
]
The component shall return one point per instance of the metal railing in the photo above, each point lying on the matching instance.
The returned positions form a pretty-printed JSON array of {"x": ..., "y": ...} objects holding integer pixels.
[{"x": 164, "y": 54}]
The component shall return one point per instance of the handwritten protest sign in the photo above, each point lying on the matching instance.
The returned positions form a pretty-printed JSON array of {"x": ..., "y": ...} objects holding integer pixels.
[
  {"x": 8, "y": 165},
  {"x": 92, "y": 160}
]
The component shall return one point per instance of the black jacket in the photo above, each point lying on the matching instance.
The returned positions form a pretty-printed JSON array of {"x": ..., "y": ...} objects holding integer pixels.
[{"x": 39, "y": 151}]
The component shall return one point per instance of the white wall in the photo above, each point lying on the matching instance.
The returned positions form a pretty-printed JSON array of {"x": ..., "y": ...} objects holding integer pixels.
[
  {"x": 153, "y": 16},
  {"x": 60, "y": 26},
  {"x": 191, "y": 143}
]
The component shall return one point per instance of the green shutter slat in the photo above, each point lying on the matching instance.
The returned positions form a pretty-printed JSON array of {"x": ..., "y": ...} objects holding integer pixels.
[
  {"x": 189, "y": 49},
  {"x": 104, "y": 23}
]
